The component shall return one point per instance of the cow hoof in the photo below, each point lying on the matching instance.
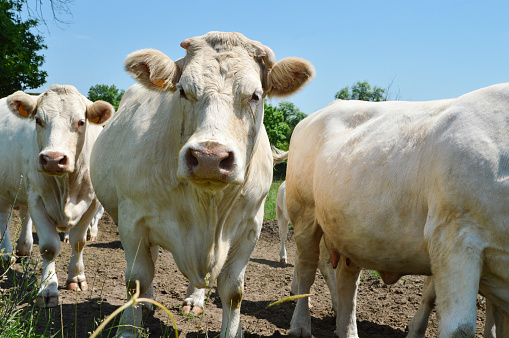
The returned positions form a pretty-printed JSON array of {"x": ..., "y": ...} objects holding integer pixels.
[
  {"x": 22, "y": 253},
  {"x": 192, "y": 310},
  {"x": 49, "y": 301},
  {"x": 302, "y": 334},
  {"x": 91, "y": 238},
  {"x": 7, "y": 260},
  {"x": 66, "y": 240},
  {"x": 81, "y": 286},
  {"x": 283, "y": 260}
]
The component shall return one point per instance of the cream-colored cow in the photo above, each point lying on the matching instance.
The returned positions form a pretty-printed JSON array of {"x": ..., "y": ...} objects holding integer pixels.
[
  {"x": 186, "y": 163},
  {"x": 45, "y": 144},
  {"x": 405, "y": 188}
]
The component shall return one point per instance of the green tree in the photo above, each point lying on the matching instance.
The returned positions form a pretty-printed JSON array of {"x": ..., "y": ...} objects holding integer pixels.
[
  {"x": 362, "y": 91},
  {"x": 106, "y": 93},
  {"x": 19, "y": 62},
  {"x": 292, "y": 116},
  {"x": 276, "y": 126}
]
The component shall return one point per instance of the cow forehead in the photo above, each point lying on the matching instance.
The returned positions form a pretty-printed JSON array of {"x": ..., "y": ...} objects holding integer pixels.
[
  {"x": 68, "y": 104},
  {"x": 235, "y": 70}
]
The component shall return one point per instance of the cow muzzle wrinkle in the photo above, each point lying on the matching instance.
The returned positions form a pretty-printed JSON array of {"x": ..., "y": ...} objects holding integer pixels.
[{"x": 53, "y": 163}]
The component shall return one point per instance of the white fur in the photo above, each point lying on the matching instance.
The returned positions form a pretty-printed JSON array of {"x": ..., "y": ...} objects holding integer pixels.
[
  {"x": 407, "y": 188},
  {"x": 56, "y": 202},
  {"x": 139, "y": 167}
]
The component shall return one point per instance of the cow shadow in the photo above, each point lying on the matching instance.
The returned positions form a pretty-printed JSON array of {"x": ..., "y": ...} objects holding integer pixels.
[{"x": 273, "y": 264}]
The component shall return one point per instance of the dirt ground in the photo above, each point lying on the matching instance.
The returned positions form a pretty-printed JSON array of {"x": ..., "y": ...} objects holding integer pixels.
[{"x": 382, "y": 311}]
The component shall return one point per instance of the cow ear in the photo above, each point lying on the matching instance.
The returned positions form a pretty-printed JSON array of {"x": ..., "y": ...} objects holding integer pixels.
[
  {"x": 100, "y": 112},
  {"x": 288, "y": 76},
  {"x": 153, "y": 69},
  {"x": 22, "y": 104}
]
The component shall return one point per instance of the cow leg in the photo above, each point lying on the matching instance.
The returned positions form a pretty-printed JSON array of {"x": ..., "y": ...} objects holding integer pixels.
[
  {"x": 26, "y": 240},
  {"x": 347, "y": 281},
  {"x": 49, "y": 247},
  {"x": 308, "y": 251},
  {"x": 195, "y": 300},
  {"x": 140, "y": 267},
  {"x": 419, "y": 323},
  {"x": 283, "y": 232},
  {"x": 93, "y": 228},
  {"x": 456, "y": 259},
  {"x": 328, "y": 273},
  {"x": 5, "y": 242},
  {"x": 76, "y": 279},
  {"x": 230, "y": 282}
]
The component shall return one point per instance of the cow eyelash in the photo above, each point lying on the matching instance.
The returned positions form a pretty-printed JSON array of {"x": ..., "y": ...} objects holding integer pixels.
[{"x": 38, "y": 121}]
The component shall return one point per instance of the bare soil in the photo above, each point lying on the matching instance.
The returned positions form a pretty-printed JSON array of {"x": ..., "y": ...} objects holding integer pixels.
[{"x": 382, "y": 310}]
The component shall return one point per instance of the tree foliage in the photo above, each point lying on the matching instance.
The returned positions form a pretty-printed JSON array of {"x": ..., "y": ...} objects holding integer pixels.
[
  {"x": 280, "y": 121},
  {"x": 19, "y": 62},
  {"x": 106, "y": 93},
  {"x": 362, "y": 91}
]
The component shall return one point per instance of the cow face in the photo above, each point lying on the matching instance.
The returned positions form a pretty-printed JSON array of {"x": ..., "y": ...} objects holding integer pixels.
[
  {"x": 219, "y": 90},
  {"x": 61, "y": 116}
]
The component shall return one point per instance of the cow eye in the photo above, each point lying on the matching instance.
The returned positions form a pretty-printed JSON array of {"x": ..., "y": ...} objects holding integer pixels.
[
  {"x": 80, "y": 123},
  {"x": 256, "y": 97},
  {"x": 182, "y": 92},
  {"x": 38, "y": 121}
]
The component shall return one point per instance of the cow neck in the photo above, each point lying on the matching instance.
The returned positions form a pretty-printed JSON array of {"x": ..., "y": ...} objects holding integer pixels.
[{"x": 72, "y": 192}]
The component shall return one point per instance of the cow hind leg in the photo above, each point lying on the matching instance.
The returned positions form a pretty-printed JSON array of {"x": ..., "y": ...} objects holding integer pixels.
[
  {"x": 328, "y": 273},
  {"x": 5, "y": 237},
  {"x": 194, "y": 302},
  {"x": 283, "y": 232},
  {"x": 347, "y": 282},
  {"x": 25, "y": 240},
  {"x": 419, "y": 323}
]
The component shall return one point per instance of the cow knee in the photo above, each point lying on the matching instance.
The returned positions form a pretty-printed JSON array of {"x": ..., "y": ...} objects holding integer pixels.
[{"x": 49, "y": 250}]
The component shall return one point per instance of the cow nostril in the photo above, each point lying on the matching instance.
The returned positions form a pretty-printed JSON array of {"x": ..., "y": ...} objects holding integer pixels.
[
  {"x": 227, "y": 163},
  {"x": 63, "y": 161},
  {"x": 191, "y": 159}
]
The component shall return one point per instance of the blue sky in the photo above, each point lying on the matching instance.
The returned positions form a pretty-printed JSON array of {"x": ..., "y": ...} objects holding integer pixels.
[{"x": 427, "y": 49}]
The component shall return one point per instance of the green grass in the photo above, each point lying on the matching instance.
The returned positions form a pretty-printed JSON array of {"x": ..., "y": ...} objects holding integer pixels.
[{"x": 270, "y": 201}]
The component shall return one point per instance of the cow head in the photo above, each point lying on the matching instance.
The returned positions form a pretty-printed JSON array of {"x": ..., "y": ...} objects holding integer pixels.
[
  {"x": 61, "y": 116},
  {"x": 219, "y": 88}
]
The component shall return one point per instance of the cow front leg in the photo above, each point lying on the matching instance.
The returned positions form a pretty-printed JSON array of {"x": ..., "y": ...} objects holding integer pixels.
[
  {"x": 76, "y": 279},
  {"x": 308, "y": 251},
  {"x": 26, "y": 240},
  {"x": 194, "y": 301},
  {"x": 455, "y": 248},
  {"x": 5, "y": 237},
  {"x": 49, "y": 247},
  {"x": 347, "y": 282},
  {"x": 140, "y": 267}
]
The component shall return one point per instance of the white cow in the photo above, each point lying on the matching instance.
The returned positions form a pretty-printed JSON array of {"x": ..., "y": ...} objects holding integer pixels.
[
  {"x": 405, "y": 188},
  {"x": 45, "y": 144},
  {"x": 186, "y": 164}
]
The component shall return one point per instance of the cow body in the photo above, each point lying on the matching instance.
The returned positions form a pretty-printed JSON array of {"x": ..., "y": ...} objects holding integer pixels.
[
  {"x": 45, "y": 155},
  {"x": 405, "y": 188},
  {"x": 186, "y": 164}
]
